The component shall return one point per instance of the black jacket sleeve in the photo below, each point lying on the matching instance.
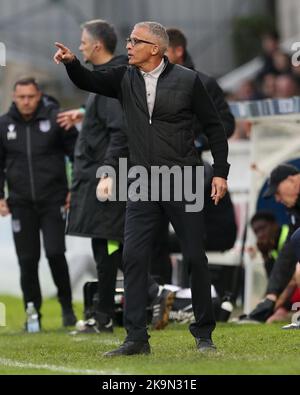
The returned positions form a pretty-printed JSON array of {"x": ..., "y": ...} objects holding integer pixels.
[
  {"x": 2, "y": 168},
  {"x": 105, "y": 82},
  {"x": 68, "y": 138},
  {"x": 284, "y": 266},
  {"x": 209, "y": 117},
  {"x": 217, "y": 94},
  {"x": 283, "y": 270},
  {"x": 115, "y": 121}
]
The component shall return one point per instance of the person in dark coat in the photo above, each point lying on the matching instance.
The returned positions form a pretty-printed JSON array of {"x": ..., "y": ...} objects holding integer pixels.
[
  {"x": 102, "y": 133},
  {"x": 33, "y": 148},
  {"x": 159, "y": 100},
  {"x": 102, "y": 127}
]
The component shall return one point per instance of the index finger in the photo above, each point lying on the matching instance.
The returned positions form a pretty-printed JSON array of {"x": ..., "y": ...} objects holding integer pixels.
[{"x": 61, "y": 46}]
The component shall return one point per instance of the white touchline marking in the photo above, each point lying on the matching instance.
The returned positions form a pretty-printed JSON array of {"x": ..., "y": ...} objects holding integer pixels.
[
  {"x": 82, "y": 338},
  {"x": 28, "y": 365}
]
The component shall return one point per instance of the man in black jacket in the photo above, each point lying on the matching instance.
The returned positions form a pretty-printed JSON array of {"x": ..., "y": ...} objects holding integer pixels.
[
  {"x": 32, "y": 162},
  {"x": 102, "y": 133},
  {"x": 102, "y": 130},
  {"x": 159, "y": 100}
]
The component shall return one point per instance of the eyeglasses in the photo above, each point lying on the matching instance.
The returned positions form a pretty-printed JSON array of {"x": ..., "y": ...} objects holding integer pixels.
[{"x": 134, "y": 41}]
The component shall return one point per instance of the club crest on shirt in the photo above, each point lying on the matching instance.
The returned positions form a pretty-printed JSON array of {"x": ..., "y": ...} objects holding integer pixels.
[
  {"x": 11, "y": 133},
  {"x": 45, "y": 126}
]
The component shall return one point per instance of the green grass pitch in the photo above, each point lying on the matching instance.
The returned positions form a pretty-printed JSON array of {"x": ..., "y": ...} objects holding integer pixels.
[{"x": 254, "y": 349}]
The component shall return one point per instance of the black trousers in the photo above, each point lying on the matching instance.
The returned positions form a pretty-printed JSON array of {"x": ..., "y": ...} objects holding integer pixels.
[
  {"x": 27, "y": 222},
  {"x": 161, "y": 266},
  {"x": 107, "y": 267},
  {"x": 142, "y": 221}
]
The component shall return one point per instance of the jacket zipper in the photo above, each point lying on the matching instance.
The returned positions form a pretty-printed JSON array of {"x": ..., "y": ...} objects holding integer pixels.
[
  {"x": 29, "y": 157},
  {"x": 150, "y": 118}
]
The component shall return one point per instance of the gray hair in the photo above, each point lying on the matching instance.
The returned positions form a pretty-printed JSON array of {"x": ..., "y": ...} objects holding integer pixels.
[{"x": 159, "y": 31}]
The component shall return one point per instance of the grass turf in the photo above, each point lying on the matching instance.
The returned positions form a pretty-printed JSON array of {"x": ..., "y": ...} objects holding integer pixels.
[{"x": 254, "y": 349}]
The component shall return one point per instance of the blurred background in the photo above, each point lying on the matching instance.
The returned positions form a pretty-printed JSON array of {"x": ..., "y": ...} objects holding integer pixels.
[
  {"x": 227, "y": 39},
  {"x": 221, "y": 34}
]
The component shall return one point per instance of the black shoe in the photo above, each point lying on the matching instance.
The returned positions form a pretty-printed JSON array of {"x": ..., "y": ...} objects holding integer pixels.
[
  {"x": 91, "y": 326},
  {"x": 263, "y": 310},
  {"x": 161, "y": 307},
  {"x": 69, "y": 318},
  {"x": 246, "y": 319},
  {"x": 86, "y": 327},
  {"x": 104, "y": 322},
  {"x": 205, "y": 345},
  {"x": 130, "y": 348}
]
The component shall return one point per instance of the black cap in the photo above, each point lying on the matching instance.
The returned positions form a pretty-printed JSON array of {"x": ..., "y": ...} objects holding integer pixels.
[{"x": 280, "y": 173}]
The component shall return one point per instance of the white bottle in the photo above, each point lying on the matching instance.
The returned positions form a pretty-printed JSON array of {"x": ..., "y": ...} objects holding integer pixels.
[{"x": 33, "y": 324}]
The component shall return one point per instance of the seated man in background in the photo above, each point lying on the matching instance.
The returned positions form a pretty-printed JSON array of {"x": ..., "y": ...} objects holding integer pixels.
[
  {"x": 284, "y": 185},
  {"x": 271, "y": 237}
]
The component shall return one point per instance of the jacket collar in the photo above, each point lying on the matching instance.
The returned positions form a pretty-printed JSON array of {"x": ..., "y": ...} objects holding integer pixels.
[
  {"x": 157, "y": 71},
  {"x": 115, "y": 61},
  {"x": 167, "y": 67}
]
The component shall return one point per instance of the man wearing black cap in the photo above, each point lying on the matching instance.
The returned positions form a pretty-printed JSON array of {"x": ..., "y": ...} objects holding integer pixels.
[{"x": 284, "y": 185}]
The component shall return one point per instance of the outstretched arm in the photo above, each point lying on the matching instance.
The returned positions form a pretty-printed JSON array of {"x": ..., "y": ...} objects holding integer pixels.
[{"x": 105, "y": 82}]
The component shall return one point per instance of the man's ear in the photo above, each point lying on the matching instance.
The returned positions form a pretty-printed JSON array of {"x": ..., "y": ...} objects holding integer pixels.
[
  {"x": 98, "y": 45},
  {"x": 155, "y": 50}
]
